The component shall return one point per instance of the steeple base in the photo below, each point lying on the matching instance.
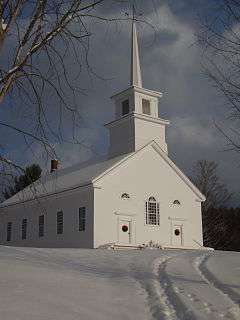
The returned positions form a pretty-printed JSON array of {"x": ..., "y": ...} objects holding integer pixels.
[{"x": 133, "y": 131}]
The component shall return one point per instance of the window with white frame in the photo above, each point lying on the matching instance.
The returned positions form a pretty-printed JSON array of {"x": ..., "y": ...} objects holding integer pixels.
[
  {"x": 41, "y": 226},
  {"x": 82, "y": 219},
  {"x": 146, "y": 106},
  {"x": 60, "y": 222},
  {"x": 24, "y": 229},
  {"x": 9, "y": 231},
  {"x": 152, "y": 212}
]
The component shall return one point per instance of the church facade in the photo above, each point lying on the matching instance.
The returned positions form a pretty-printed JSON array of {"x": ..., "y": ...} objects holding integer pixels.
[{"x": 135, "y": 196}]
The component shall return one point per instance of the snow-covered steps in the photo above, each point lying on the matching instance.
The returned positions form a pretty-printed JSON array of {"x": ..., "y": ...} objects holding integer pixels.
[
  {"x": 126, "y": 247},
  {"x": 121, "y": 246},
  {"x": 166, "y": 247}
]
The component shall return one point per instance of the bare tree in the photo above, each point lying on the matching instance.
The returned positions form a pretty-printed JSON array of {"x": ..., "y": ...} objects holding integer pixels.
[
  {"x": 36, "y": 39},
  {"x": 220, "y": 39},
  {"x": 35, "y": 26},
  {"x": 206, "y": 178},
  {"x": 41, "y": 34}
]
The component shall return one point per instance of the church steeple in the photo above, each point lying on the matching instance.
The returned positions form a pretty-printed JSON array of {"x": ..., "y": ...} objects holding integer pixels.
[
  {"x": 136, "y": 111},
  {"x": 136, "y": 77}
]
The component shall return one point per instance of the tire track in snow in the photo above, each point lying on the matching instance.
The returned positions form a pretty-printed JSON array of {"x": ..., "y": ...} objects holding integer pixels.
[
  {"x": 168, "y": 294},
  {"x": 156, "y": 299},
  {"x": 161, "y": 297},
  {"x": 229, "y": 295},
  {"x": 160, "y": 291}
]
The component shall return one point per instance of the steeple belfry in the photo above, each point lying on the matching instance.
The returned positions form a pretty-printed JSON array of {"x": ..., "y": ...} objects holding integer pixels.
[
  {"x": 136, "y": 120},
  {"x": 136, "y": 78}
]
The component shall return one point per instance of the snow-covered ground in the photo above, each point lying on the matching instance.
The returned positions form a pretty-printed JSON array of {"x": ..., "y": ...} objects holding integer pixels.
[{"x": 66, "y": 284}]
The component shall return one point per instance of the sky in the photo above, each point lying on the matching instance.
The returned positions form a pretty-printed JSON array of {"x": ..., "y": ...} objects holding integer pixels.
[{"x": 171, "y": 62}]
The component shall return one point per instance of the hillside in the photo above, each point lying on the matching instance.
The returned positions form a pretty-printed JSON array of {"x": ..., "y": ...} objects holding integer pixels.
[{"x": 70, "y": 284}]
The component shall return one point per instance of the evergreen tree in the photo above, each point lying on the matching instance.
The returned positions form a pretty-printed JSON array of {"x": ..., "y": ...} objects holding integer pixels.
[{"x": 32, "y": 173}]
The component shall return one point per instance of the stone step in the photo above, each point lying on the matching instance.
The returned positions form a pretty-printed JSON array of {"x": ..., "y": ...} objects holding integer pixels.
[{"x": 126, "y": 247}]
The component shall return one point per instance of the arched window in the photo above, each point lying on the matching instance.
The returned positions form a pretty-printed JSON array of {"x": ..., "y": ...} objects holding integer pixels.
[
  {"x": 152, "y": 199},
  {"x": 125, "y": 196},
  {"x": 152, "y": 212},
  {"x": 177, "y": 202}
]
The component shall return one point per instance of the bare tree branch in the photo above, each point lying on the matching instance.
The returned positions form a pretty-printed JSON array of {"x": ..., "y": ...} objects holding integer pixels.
[
  {"x": 37, "y": 38},
  {"x": 220, "y": 38}
]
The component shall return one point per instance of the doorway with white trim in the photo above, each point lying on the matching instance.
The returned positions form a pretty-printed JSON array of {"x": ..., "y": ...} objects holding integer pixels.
[
  {"x": 177, "y": 235},
  {"x": 124, "y": 231}
]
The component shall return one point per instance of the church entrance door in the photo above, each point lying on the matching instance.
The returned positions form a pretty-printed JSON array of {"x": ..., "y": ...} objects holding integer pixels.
[
  {"x": 124, "y": 231},
  {"x": 177, "y": 235}
]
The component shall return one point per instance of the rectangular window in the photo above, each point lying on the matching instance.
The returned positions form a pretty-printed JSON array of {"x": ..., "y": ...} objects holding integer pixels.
[
  {"x": 9, "y": 231},
  {"x": 82, "y": 219},
  {"x": 60, "y": 222},
  {"x": 24, "y": 229},
  {"x": 152, "y": 213},
  {"x": 146, "y": 106},
  {"x": 125, "y": 107},
  {"x": 41, "y": 226}
]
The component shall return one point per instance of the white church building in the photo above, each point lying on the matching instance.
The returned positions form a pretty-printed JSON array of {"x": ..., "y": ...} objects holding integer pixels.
[{"x": 135, "y": 196}]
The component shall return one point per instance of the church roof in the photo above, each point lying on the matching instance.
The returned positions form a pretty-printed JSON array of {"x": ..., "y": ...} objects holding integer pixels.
[
  {"x": 61, "y": 180},
  {"x": 84, "y": 174}
]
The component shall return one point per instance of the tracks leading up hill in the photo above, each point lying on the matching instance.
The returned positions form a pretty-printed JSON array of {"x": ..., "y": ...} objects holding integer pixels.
[{"x": 101, "y": 284}]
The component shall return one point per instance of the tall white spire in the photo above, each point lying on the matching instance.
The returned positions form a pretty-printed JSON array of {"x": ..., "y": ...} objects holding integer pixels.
[{"x": 136, "y": 78}]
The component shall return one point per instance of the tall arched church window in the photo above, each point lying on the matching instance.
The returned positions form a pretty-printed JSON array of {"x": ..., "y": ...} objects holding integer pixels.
[{"x": 152, "y": 212}]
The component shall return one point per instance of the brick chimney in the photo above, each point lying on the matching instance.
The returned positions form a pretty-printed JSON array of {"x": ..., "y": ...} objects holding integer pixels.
[{"x": 54, "y": 165}]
